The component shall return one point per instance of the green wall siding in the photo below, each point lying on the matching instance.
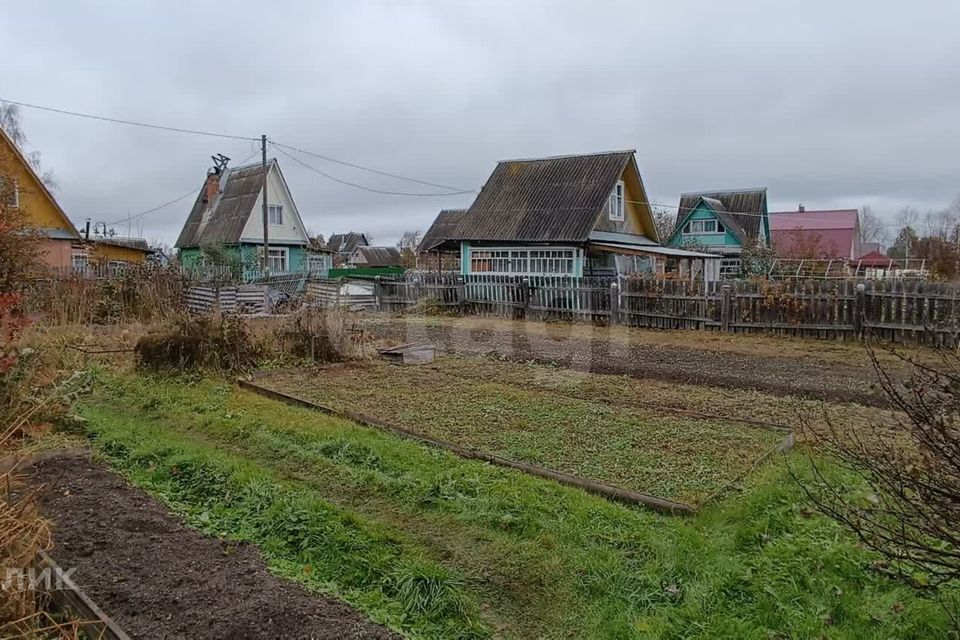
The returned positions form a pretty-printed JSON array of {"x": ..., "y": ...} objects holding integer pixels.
[{"x": 701, "y": 212}]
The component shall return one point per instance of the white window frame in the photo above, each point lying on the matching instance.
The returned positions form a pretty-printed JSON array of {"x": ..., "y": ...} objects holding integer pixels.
[
  {"x": 703, "y": 226},
  {"x": 275, "y": 214},
  {"x": 730, "y": 267},
  {"x": 317, "y": 263},
  {"x": 615, "y": 203},
  {"x": 278, "y": 253},
  {"x": 79, "y": 261},
  {"x": 523, "y": 261}
]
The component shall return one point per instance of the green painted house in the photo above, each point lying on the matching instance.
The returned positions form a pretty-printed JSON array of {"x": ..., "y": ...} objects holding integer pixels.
[
  {"x": 722, "y": 222},
  {"x": 573, "y": 215},
  {"x": 225, "y": 225}
]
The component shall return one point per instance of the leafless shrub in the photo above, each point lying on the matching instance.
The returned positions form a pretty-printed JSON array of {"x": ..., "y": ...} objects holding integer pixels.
[
  {"x": 910, "y": 510},
  {"x": 222, "y": 344}
]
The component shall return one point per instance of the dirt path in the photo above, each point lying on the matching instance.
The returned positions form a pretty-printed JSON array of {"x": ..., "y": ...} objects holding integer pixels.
[
  {"x": 849, "y": 378},
  {"x": 159, "y": 579}
]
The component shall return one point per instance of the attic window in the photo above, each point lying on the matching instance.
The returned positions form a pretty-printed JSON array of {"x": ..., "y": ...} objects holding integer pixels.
[
  {"x": 615, "y": 206},
  {"x": 703, "y": 226},
  {"x": 275, "y": 214},
  {"x": 10, "y": 192}
]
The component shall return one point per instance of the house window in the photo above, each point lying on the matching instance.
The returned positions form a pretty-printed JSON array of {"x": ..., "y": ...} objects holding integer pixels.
[
  {"x": 730, "y": 268},
  {"x": 317, "y": 264},
  {"x": 10, "y": 192},
  {"x": 277, "y": 260},
  {"x": 275, "y": 214},
  {"x": 703, "y": 226},
  {"x": 79, "y": 261},
  {"x": 553, "y": 261},
  {"x": 522, "y": 261},
  {"x": 615, "y": 206}
]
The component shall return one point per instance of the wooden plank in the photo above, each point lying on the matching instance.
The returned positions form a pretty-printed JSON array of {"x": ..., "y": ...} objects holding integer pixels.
[{"x": 72, "y": 600}]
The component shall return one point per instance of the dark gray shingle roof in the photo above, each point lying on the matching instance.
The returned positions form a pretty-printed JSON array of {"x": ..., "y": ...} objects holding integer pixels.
[
  {"x": 128, "y": 243},
  {"x": 346, "y": 242},
  {"x": 441, "y": 230},
  {"x": 738, "y": 209},
  {"x": 380, "y": 256},
  {"x": 555, "y": 199},
  {"x": 222, "y": 222}
]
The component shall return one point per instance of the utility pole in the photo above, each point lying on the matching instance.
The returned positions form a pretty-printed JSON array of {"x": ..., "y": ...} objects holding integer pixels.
[{"x": 266, "y": 239}]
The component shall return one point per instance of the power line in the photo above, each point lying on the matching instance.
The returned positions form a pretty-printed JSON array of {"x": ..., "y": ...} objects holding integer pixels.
[
  {"x": 167, "y": 204},
  {"x": 132, "y": 123},
  {"x": 363, "y": 168},
  {"x": 360, "y": 186}
]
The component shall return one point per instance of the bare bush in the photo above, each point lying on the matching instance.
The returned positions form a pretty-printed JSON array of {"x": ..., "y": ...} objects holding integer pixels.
[
  {"x": 221, "y": 344},
  {"x": 909, "y": 511}
]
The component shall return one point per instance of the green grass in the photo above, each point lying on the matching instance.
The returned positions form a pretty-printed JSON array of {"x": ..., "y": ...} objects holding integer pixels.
[
  {"x": 659, "y": 453},
  {"x": 443, "y": 547}
]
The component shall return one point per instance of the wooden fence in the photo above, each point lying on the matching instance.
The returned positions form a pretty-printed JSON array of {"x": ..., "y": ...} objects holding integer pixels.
[{"x": 895, "y": 310}]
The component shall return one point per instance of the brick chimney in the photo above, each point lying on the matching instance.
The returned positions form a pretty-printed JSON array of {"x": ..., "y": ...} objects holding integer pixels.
[{"x": 211, "y": 187}]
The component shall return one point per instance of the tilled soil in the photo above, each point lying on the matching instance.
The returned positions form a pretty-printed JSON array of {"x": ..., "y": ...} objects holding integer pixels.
[
  {"x": 805, "y": 377},
  {"x": 158, "y": 578}
]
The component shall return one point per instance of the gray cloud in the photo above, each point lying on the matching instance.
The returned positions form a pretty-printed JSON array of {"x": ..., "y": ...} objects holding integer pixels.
[{"x": 828, "y": 103}]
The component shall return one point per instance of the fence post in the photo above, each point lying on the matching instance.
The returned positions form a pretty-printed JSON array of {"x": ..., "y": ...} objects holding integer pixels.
[
  {"x": 614, "y": 303},
  {"x": 725, "y": 308},
  {"x": 461, "y": 295},
  {"x": 377, "y": 294},
  {"x": 858, "y": 309},
  {"x": 525, "y": 297}
]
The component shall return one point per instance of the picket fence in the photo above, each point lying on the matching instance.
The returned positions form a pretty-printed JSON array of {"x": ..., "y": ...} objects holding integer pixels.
[{"x": 893, "y": 310}]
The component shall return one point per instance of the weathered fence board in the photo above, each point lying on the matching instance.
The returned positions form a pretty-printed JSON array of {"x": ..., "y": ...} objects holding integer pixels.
[{"x": 893, "y": 310}]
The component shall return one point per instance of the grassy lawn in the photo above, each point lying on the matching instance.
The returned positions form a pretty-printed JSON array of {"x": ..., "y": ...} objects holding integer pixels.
[
  {"x": 438, "y": 546},
  {"x": 514, "y": 411}
]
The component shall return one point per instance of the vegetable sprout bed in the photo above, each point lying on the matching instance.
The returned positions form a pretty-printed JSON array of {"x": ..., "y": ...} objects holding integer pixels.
[{"x": 521, "y": 412}]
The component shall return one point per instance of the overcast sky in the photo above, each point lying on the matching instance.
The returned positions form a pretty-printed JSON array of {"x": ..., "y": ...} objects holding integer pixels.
[{"x": 833, "y": 104}]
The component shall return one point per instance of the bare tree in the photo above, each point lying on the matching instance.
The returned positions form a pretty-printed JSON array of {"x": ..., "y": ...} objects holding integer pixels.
[
  {"x": 872, "y": 228},
  {"x": 407, "y": 244},
  {"x": 664, "y": 220},
  {"x": 11, "y": 123},
  {"x": 910, "y": 510},
  {"x": 409, "y": 240}
]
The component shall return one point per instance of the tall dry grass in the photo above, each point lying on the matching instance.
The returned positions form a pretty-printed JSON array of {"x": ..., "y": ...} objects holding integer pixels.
[{"x": 137, "y": 294}]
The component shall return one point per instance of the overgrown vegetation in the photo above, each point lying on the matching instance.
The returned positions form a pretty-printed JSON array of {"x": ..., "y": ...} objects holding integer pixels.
[
  {"x": 221, "y": 344},
  {"x": 535, "y": 559}
]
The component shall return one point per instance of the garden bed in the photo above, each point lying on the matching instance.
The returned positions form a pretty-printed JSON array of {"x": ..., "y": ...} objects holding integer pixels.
[
  {"x": 641, "y": 449},
  {"x": 159, "y": 579}
]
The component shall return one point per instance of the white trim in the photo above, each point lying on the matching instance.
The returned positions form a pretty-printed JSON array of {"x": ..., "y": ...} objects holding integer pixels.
[
  {"x": 278, "y": 209},
  {"x": 616, "y": 202},
  {"x": 284, "y": 258},
  {"x": 526, "y": 249}
]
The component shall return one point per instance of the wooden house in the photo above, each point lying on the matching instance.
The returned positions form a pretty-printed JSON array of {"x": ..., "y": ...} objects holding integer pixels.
[
  {"x": 107, "y": 251},
  {"x": 722, "y": 222},
  {"x": 574, "y": 215},
  {"x": 364, "y": 257},
  {"x": 343, "y": 246},
  {"x": 23, "y": 190},
  {"x": 228, "y": 215},
  {"x": 436, "y": 252}
]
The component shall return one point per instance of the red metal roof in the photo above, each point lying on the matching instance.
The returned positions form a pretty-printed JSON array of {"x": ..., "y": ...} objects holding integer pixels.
[
  {"x": 831, "y": 233},
  {"x": 875, "y": 259}
]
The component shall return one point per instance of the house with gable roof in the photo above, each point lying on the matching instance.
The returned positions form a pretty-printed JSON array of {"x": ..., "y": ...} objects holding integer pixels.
[
  {"x": 722, "y": 222},
  {"x": 574, "y": 215},
  {"x": 22, "y": 189},
  {"x": 227, "y": 215}
]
